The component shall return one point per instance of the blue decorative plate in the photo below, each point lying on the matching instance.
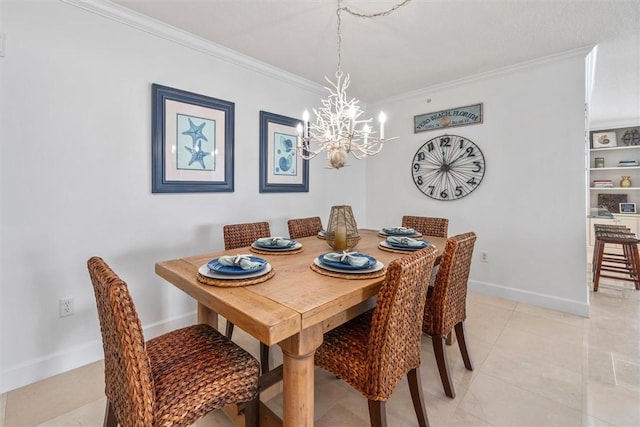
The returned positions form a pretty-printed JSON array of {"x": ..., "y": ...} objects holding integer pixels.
[
  {"x": 343, "y": 266},
  {"x": 403, "y": 246},
  {"x": 215, "y": 266}
]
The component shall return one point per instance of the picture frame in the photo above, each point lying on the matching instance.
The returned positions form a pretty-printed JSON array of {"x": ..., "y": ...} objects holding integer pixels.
[
  {"x": 611, "y": 202},
  {"x": 627, "y": 208},
  {"x": 606, "y": 139},
  {"x": 453, "y": 117},
  {"x": 192, "y": 142},
  {"x": 282, "y": 169}
]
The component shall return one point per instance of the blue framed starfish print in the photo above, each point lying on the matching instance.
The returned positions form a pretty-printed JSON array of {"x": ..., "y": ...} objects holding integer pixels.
[
  {"x": 281, "y": 167},
  {"x": 192, "y": 142}
]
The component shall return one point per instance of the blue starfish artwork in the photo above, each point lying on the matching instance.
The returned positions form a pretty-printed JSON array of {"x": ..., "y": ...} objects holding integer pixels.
[
  {"x": 197, "y": 136},
  {"x": 195, "y": 132},
  {"x": 197, "y": 155}
]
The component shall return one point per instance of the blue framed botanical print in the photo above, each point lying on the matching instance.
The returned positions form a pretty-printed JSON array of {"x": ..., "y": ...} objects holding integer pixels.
[
  {"x": 192, "y": 142},
  {"x": 281, "y": 167}
]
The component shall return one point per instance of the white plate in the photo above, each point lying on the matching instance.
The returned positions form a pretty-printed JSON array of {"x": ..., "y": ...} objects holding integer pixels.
[
  {"x": 376, "y": 267},
  {"x": 204, "y": 270},
  {"x": 387, "y": 245},
  {"x": 298, "y": 245}
]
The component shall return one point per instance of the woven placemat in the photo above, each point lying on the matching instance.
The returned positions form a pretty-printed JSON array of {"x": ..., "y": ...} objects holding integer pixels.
[
  {"x": 235, "y": 283},
  {"x": 373, "y": 275},
  {"x": 397, "y": 251},
  {"x": 261, "y": 252}
]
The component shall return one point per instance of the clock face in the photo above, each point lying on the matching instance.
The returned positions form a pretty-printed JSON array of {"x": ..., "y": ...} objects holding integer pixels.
[{"x": 448, "y": 167}]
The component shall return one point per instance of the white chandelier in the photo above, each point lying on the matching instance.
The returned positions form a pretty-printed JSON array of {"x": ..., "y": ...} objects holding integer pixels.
[{"x": 338, "y": 129}]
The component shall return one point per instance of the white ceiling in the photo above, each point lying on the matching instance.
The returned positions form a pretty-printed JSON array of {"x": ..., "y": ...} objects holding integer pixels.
[{"x": 425, "y": 43}]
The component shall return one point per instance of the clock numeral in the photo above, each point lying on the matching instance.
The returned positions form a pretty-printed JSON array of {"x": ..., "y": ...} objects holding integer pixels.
[
  {"x": 472, "y": 181},
  {"x": 478, "y": 166},
  {"x": 416, "y": 167},
  {"x": 444, "y": 194},
  {"x": 430, "y": 146},
  {"x": 461, "y": 143},
  {"x": 421, "y": 156},
  {"x": 431, "y": 188},
  {"x": 458, "y": 191},
  {"x": 470, "y": 152},
  {"x": 419, "y": 180},
  {"x": 445, "y": 142}
]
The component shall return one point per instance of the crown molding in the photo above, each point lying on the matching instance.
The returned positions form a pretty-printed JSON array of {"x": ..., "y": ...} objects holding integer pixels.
[
  {"x": 162, "y": 30},
  {"x": 581, "y": 51}
]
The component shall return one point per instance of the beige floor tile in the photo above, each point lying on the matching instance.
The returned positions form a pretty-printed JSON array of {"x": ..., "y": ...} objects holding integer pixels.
[
  {"x": 567, "y": 318},
  {"x": 556, "y": 383},
  {"x": 545, "y": 327},
  {"x": 461, "y": 418},
  {"x": 517, "y": 343},
  {"x": 502, "y": 404},
  {"x": 474, "y": 297},
  {"x": 48, "y": 399},
  {"x": 91, "y": 414},
  {"x": 3, "y": 405},
  {"x": 613, "y": 404},
  {"x": 341, "y": 416},
  {"x": 485, "y": 322}
]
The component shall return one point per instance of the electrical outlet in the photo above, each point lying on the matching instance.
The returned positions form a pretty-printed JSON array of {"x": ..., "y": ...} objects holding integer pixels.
[
  {"x": 484, "y": 257},
  {"x": 65, "y": 306}
]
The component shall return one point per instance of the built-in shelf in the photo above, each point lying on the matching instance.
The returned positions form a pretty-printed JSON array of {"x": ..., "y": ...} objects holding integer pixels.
[
  {"x": 624, "y": 147},
  {"x": 615, "y": 168},
  {"x": 614, "y": 188}
]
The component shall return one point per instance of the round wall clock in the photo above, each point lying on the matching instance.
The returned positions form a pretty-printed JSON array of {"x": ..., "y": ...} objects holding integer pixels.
[{"x": 448, "y": 167}]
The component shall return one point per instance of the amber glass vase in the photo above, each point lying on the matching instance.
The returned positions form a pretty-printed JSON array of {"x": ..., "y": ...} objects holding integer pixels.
[{"x": 342, "y": 230}]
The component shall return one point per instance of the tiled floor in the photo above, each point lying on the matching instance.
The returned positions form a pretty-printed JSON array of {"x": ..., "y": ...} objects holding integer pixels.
[{"x": 533, "y": 367}]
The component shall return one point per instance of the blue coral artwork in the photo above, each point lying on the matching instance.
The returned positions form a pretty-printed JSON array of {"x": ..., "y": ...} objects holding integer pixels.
[
  {"x": 196, "y": 147},
  {"x": 284, "y": 154}
]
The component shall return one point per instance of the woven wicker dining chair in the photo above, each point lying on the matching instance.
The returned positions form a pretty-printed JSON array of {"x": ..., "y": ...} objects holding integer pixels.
[
  {"x": 429, "y": 226},
  {"x": 445, "y": 309},
  {"x": 239, "y": 236},
  {"x": 373, "y": 351},
  {"x": 304, "y": 227},
  {"x": 173, "y": 379}
]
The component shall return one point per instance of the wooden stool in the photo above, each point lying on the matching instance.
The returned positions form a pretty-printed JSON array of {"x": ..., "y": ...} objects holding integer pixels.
[{"x": 625, "y": 264}]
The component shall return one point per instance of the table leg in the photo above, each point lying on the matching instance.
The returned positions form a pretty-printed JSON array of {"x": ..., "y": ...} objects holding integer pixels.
[
  {"x": 208, "y": 316},
  {"x": 298, "y": 376}
]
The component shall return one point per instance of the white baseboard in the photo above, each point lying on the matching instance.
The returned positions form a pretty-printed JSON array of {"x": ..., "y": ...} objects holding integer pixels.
[
  {"x": 41, "y": 368},
  {"x": 542, "y": 300}
]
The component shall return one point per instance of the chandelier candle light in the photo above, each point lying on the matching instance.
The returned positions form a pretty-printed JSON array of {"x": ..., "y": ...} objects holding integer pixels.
[{"x": 338, "y": 129}]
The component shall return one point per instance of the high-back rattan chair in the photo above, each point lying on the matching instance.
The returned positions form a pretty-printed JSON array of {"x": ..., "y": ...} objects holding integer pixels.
[
  {"x": 429, "y": 226},
  {"x": 304, "y": 227},
  {"x": 445, "y": 309},
  {"x": 239, "y": 236},
  {"x": 173, "y": 379},
  {"x": 376, "y": 349}
]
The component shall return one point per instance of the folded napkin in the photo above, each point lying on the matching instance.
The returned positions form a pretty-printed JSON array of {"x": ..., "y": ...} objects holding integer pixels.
[
  {"x": 347, "y": 258},
  {"x": 399, "y": 230},
  {"x": 407, "y": 241},
  {"x": 275, "y": 242},
  {"x": 242, "y": 261}
]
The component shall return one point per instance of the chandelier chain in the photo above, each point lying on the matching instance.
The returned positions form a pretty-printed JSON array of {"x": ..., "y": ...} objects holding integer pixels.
[{"x": 359, "y": 15}]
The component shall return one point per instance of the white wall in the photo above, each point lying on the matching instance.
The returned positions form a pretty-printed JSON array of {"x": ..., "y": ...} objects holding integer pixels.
[
  {"x": 75, "y": 90},
  {"x": 529, "y": 211}
]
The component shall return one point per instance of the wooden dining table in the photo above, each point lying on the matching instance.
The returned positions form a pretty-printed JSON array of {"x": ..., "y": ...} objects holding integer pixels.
[{"x": 292, "y": 309}]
